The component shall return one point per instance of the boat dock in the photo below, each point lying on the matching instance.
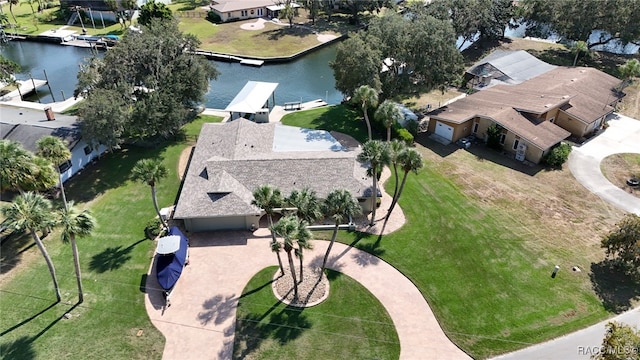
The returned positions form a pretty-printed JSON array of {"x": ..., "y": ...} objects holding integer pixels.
[
  {"x": 25, "y": 87},
  {"x": 229, "y": 58}
]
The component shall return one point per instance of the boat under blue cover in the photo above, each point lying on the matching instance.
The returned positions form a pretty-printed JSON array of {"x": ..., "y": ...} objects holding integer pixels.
[{"x": 170, "y": 266}]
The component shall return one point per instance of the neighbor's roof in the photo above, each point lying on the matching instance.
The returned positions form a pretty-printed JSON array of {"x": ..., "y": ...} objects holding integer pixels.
[
  {"x": 232, "y": 159},
  {"x": 252, "y": 97},
  {"x": 512, "y": 67},
  {"x": 27, "y": 126},
  {"x": 235, "y": 5}
]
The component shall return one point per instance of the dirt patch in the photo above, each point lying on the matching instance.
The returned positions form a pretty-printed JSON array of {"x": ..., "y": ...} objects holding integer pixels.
[{"x": 618, "y": 168}]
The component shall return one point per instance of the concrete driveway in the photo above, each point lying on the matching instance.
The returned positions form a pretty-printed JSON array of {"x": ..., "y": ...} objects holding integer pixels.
[
  {"x": 622, "y": 136},
  {"x": 200, "y": 323}
]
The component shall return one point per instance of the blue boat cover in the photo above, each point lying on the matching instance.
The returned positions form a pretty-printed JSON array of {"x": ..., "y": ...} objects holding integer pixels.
[{"x": 170, "y": 266}]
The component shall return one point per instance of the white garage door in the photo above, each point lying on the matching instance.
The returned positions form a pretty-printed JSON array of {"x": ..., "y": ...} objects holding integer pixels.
[{"x": 443, "y": 130}]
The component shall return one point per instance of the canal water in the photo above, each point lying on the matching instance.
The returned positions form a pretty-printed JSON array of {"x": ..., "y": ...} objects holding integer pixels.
[{"x": 306, "y": 79}]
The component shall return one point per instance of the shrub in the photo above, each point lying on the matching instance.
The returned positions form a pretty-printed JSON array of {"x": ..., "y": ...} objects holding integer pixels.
[
  {"x": 494, "y": 132},
  {"x": 405, "y": 135},
  {"x": 153, "y": 228},
  {"x": 557, "y": 156},
  {"x": 213, "y": 17}
]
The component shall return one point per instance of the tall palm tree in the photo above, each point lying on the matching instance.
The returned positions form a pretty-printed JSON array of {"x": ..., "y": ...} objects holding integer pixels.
[
  {"x": 16, "y": 166},
  {"x": 366, "y": 97},
  {"x": 579, "y": 47},
  {"x": 149, "y": 171},
  {"x": 55, "y": 150},
  {"x": 376, "y": 153},
  {"x": 307, "y": 204},
  {"x": 339, "y": 205},
  {"x": 409, "y": 160},
  {"x": 388, "y": 114},
  {"x": 43, "y": 176},
  {"x": 31, "y": 212},
  {"x": 395, "y": 149},
  {"x": 302, "y": 240},
  {"x": 75, "y": 223},
  {"x": 287, "y": 228},
  {"x": 268, "y": 198}
]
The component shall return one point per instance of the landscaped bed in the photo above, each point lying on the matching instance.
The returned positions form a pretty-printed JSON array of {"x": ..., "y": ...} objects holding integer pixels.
[{"x": 619, "y": 169}]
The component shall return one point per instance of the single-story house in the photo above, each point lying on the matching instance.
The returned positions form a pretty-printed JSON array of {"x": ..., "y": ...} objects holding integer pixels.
[
  {"x": 535, "y": 114},
  {"x": 234, "y": 158},
  {"x": 506, "y": 67},
  {"x": 231, "y": 10},
  {"x": 27, "y": 126}
]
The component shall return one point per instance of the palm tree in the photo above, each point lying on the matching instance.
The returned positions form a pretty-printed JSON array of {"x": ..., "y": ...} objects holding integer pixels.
[
  {"x": 55, "y": 150},
  {"x": 75, "y": 223},
  {"x": 16, "y": 165},
  {"x": 630, "y": 70},
  {"x": 411, "y": 161},
  {"x": 376, "y": 153},
  {"x": 268, "y": 198},
  {"x": 287, "y": 228},
  {"x": 307, "y": 204},
  {"x": 11, "y": 3},
  {"x": 303, "y": 236},
  {"x": 388, "y": 114},
  {"x": 150, "y": 171},
  {"x": 43, "y": 176},
  {"x": 366, "y": 97},
  {"x": 395, "y": 149},
  {"x": 579, "y": 47},
  {"x": 31, "y": 212},
  {"x": 339, "y": 205}
]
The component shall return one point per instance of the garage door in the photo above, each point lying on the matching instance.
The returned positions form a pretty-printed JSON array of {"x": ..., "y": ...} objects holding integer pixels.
[{"x": 444, "y": 130}]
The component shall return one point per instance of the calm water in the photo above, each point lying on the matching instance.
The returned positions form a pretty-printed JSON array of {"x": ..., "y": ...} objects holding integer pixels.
[{"x": 305, "y": 79}]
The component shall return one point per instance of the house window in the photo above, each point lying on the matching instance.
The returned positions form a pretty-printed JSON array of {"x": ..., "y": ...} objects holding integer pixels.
[
  {"x": 243, "y": 13},
  {"x": 64, "y": 166},
  {"x": 252, "y": 11},
  {"x": 503, "y": 137},
  {"x": 475, "y": 128},
  {"x": 87, "y": 150},
  {"x": 260, "y": 12},
  {"x": 516, "y": 142},
  {"x": 229, "y": 15}
]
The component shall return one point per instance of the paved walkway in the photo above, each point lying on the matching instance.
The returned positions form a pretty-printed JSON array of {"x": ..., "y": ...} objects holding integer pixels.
[
  {"x": 622, "y": 136},
  {"x": 200, "y": 323}
]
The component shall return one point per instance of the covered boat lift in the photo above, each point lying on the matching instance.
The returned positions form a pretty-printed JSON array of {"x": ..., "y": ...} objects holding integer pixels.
[{"x": 254, "y": 102}]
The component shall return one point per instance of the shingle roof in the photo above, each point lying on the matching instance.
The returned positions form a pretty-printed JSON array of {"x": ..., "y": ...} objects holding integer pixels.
[
  {"x": 234, "y": 158},
  {"x": 235, "y": 5},
  {"x": 27, "y": 126},
  {"x": 585, "y": 93},
  {"x": 512, "y": 67}
]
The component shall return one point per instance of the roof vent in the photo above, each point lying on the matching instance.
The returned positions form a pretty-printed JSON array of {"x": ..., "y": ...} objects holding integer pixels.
[
  {"x": 574, "y": 79},
  {"x": 566, "y": 97}
]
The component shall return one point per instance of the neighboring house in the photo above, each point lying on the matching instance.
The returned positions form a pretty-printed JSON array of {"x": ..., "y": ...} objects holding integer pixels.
[
  {"x": 506, "y": 67},
  {"x": 231, "y": 10},
  {"x": 27, "y": 126},
  {"x": 535, "y": 114},
  {"x": 232, "y": 159}
]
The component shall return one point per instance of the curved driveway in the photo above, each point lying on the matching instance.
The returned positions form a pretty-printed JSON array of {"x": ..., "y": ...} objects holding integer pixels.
[
  {"x": 200, "y": 323},
  {"x": 622, "y": 136}
]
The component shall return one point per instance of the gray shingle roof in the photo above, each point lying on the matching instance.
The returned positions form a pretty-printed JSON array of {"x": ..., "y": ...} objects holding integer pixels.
[
  {"x": 27, "y": 126},
  {"x": 234, "y": 158}
]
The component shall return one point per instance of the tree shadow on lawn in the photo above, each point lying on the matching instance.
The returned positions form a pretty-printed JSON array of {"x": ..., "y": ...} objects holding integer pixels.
[
  {"x": 12, "y": 247},
  {"x": 112, "y": 258},
  {"x": 108, "y": 172},
  {"x": 614, "y": 286},
  {"x": 344, "y": 119},
  {"x": 285, "y": 30}
]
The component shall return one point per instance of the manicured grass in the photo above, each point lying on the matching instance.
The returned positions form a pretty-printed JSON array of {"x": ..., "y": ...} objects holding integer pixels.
[
  {"x": 350, "y": 324},
  {"x": 341, "y": 118},
  {"x": 480, "y": 269},
  {"x": 114, "y": 264}
]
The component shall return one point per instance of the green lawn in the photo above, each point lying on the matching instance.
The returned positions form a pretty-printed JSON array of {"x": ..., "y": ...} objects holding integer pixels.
[
  {"x": 476, "y": 265},
  {"x": 341, "y": 118},
  {"x": 350, "y": 324},
  {"x": 114, "y": 264}
]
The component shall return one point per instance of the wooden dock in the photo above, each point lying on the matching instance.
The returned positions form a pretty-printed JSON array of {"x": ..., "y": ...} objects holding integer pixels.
[
  {"x": 25, "y": 87},
  {"x": 251, "y": 62}
]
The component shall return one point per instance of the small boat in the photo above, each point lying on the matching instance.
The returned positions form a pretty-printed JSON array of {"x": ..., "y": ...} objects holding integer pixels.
[{"x": 173, "y": 255}]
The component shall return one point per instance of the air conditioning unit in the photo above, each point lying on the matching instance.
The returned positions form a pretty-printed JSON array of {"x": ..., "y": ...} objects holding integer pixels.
[{"x": 521, "y": 152}]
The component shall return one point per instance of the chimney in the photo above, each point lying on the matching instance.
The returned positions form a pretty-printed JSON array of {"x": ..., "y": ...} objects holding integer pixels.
[{"x": 50, "y": 115}]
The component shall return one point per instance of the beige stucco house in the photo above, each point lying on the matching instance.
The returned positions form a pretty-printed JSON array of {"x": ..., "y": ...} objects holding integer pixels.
[
  {"x": 231, "y": 10},
  {"x": 232, "y": 159},
  {"x": 535, "y": 114}
]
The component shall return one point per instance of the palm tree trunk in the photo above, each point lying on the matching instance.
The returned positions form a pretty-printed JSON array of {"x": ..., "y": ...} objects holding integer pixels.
[
  {"x": 575, "y": 59},
  {"x": 388, "y": 133},
  {"x": 64, "y": 196},
  {"x": 394, "y": 202},
  {"x": 301, "y": 273},
  {"x": 374, "y": 195},
  {"x": 366, "y": 120},
  {"x": 273, "y": 239},
  {"x": 293, "y": 271},
  {"x": 76, "y": 265},
  {"x": 395, "y": 187},
  {"x": 280, "y": 263},
  {"x": 155, "y": 205},
  {"x": 326, "y": 255},
  {"x": 45, "y": 254}
]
